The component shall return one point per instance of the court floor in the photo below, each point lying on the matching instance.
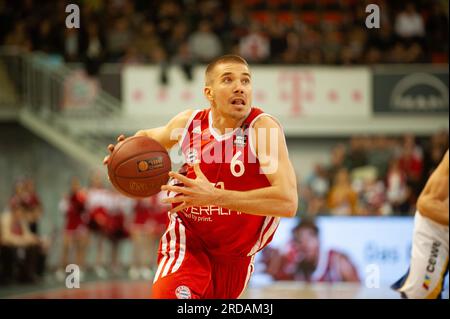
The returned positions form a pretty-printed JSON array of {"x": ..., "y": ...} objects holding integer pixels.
[{"x": 126, "y": 289}]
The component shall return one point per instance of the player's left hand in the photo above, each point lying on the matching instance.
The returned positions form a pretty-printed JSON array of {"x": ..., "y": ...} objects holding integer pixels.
[{"x": 196, "y": 192}]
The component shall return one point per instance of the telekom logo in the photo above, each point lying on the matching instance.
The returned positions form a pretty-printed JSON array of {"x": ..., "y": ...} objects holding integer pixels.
[{"x": 297, "y": 87}]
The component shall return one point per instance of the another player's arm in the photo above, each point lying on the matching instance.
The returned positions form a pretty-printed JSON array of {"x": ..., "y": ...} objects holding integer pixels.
[
  {"x": 167, "y": 135},
  {"x": 433, "y": 201},
  {"x": 280, "y": 199}
]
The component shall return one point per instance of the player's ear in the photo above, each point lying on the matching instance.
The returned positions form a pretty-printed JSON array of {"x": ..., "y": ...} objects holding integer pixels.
[{"x": 207, "y": 91}]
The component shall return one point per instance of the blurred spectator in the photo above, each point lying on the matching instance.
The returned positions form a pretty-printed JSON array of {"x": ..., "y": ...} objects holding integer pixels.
[
  {"x": 303, "y": 259},
  {"x": 72, "y": 45},
  {"x": 97, "y": 204},
  {"x": 33, "y": 205},
  {"x": 46, "y": 38},
  {"x": 255, "y": 46},
  {"x": 373, "y": 200},
  {"x": 398, "y": 191},
  {"x": 327, "y": 35},
  {"x": 356, "y": 156},
  {"x": 356, "y": 43},
  {"x": 19, "y": 37},
  {"x": 93, "y": 48},
  {"x": 75, "y": 235},
  {"x": 409, "y": 23},
  {"x": 146, "y": 41},
  {"x": 434, "y": 152},
  {"x": 437, "y": 32},
  {"x": 132, "y": 56},
  {"x": 180, "y": 50},
  {"x": 19, "y": 247},
  {"x": 383, "y": 38},
  {"x": 204, "y": 45},
  {"x": 278, "y": 39},
  {"x": 238, "y": 21},
  {"x": 411, "y": 162},
  {"x": 397, "y": 54},
  {"x": 118, "y": 39},
  {"x": 332, "y": 46},
  {"x": 116, "y": 229},
  {"x": 146, "y": 229},
  {"x": 414, "y": 54},
  {"x": 318, "y": 186},
  {"x": 342, "y": 199},
  {"x": 379, "y": 155},
  {"x": 292, "y": 52},
  {"x": 372, "y": 56},
  {"x": 337, "y": 162}
]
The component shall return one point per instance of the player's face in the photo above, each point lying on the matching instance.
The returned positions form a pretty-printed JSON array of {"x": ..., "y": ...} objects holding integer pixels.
[
  {"x": 75, "y": 184},
  {"x": 308, "y": 243},
  {"x": 230, "y": 90}
]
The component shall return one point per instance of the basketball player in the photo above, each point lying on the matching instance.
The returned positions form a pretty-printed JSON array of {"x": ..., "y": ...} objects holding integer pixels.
[
  {"x": 303, "y": 259},
  {"x": 98, "y": 204},
  {"x": 148, "y": 225},
  {"x": 75, "y": 237},
  {"x": 229, "y": 196},
  {"x": 429, "y": 256}
]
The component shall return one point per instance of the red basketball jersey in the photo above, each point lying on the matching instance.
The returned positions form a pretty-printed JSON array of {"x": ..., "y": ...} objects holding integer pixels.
[{"x": 229, "y": 162}]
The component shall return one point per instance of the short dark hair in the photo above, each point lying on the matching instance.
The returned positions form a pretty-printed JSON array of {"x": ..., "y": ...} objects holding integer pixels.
[
  {"x": 223, "y": 59},
  {"x": 307, "y": 223}
]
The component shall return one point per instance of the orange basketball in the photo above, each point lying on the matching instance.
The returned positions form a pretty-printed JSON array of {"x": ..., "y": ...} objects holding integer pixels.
[{"x": 139, "y": 166}]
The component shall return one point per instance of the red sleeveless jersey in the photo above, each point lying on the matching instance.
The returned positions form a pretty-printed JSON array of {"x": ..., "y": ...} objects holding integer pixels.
[{"x": 229, "y": 162}]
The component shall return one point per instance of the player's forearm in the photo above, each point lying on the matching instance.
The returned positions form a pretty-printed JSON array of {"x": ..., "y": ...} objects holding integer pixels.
[
  {"x": 159, "y": 135},
  {"x": 434, "y": 209},
  {"x": 267, "y": 201}
]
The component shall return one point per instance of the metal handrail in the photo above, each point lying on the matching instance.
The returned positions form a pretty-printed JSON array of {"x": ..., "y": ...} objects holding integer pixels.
[{"x": 40, "y": 86}]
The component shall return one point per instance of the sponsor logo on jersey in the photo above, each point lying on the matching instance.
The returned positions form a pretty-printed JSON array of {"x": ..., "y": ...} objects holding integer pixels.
[
  {"x": 432, "y": 260},
  {"x": 183, "y": 292},
  {"x": 240, "y": 140},
  {"x": 426, "y": 283}
]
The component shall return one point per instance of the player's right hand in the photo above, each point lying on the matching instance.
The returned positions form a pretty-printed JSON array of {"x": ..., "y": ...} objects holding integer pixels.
[{"x": 111, "y": 148}]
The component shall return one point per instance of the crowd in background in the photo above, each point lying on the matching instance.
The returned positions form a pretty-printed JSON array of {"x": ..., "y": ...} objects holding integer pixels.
[
  {"x": 22, "y": 250},
  {"x": 96, "y": 219},
  {"x": 372, "y": 175},
  {"x": 367, "y": 176},
  {"x": 186, "y": 32}
]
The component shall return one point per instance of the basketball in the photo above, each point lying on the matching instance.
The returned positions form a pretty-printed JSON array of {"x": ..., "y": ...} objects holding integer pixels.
[{"x": 139, "y": 166}]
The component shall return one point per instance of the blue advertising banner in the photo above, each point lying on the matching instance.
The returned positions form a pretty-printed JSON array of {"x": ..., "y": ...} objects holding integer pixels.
[{"x": 374, "y": 251}]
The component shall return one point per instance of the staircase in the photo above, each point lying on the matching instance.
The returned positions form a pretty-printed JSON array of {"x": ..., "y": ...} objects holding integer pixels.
[{"x": 44, "y": 88}]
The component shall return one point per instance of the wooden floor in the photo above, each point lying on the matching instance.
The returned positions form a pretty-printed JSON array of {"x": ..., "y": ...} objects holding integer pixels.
[{"x": 125, "y": 289}]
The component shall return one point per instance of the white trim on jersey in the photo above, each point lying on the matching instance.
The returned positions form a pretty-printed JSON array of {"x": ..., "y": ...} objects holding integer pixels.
[
  {"x": 270, "y": 231},
  {"x": 172, "y": 249},
  {"x": 250, "y": 269},
  {"x": 165, "y": 265},
  {"x": 186, "y": 127},
  {"x": 250, "y": 143},
  {"x": 214, "y": 133},
  {"x": 182, "y": 247},
  {"x": 164, "y": 249},
  {"x": 264, "y": 231}
]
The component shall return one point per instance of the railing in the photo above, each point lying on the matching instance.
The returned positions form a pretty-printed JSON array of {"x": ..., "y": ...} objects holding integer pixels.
[{"x": 41, "y": 81}]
